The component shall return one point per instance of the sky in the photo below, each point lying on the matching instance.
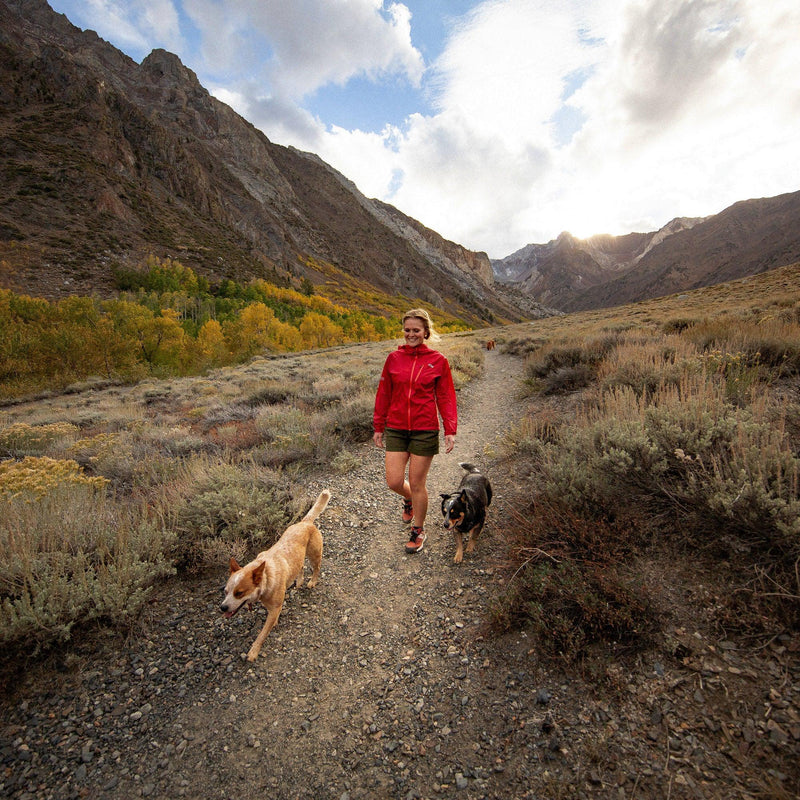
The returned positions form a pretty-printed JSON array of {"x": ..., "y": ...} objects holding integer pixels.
[{"x": 500, "y": 123}]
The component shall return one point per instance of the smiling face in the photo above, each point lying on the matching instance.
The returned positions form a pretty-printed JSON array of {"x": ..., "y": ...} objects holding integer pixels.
[{"x": 414, "y": 331}]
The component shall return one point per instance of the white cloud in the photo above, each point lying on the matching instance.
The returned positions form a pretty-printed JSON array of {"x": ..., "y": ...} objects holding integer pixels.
[
  {"x": 302, "y": 45},
  {"x": 689, "y": 112},
  {"x": 267, "y": 55},
  {"x": 590, "y": 115},
  {"x": 139, "y": 25},
  {"x": 504, "y": 68},
  {"x": 685, "y": 108},
  {"x": 472, "y": 171},
  {"x": 282, "y": 120}
]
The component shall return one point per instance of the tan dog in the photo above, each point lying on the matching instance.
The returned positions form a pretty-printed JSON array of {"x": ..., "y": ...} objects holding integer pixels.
[{"x": 271, "y": 573}]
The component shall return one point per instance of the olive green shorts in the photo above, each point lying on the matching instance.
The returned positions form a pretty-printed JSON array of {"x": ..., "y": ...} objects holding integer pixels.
[{"x": 418, "y": 443}]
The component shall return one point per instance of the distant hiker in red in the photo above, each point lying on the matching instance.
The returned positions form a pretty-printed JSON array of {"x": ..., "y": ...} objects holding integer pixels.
[{"x": 415, "y": 389}]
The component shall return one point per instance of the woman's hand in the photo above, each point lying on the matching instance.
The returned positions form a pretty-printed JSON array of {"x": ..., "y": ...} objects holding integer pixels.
[
  {"x": 377, "y": 437},
  {"x": 449, "y": 442}
]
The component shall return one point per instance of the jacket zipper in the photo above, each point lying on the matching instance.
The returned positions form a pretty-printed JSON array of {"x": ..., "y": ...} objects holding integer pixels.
[{"x": 411, "y": 389}]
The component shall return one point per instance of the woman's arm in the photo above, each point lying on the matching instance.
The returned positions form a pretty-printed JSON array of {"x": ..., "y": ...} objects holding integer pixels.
[{"x": 446, "y": 401}]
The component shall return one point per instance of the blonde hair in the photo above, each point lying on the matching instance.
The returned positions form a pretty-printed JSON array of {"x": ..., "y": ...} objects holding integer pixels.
[{"x": 427, "y": 322}]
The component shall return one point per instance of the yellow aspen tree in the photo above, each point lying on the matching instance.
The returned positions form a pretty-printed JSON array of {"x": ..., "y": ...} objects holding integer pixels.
[
  {"x": 319, "y": 331},
  {"x": 211, "y": 346},
  {"x": 256, "y": 319}
]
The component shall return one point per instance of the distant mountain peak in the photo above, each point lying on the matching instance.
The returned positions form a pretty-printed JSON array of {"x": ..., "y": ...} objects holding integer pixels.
[{"x": 687, "y": 253}]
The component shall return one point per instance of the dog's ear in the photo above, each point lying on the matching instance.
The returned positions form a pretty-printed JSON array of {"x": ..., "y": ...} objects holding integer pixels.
[
  {"x": 445, "y": 496},
  {"x": 258, "y": 572},
  {"x": 463, "y": 496},
  {"x": 234, "y": 566}
]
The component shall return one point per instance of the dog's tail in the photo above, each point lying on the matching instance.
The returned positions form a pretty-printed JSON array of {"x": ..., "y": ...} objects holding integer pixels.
[
  {"x": 468, "y": 467},
  {"x": 320, "y": 504}
]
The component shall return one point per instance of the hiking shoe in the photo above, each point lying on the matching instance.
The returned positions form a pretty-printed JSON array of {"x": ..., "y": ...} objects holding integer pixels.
[
  {"x": 408, "y": 511},
  {"x": 416, "y": 540}
]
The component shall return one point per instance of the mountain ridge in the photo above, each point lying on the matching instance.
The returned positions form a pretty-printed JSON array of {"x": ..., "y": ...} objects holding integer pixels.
[
  {"x": 106, "y": 162},
  {"x": 572, "y": 274}
]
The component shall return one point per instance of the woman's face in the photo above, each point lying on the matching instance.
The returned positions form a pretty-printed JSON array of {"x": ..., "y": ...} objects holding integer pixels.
[{"x": 414, "y": 331}]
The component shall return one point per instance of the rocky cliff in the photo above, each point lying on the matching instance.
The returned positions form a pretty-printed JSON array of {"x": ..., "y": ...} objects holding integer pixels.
[
  {"x": 105, "y": 161},
  {"x": 745, "y": 239}
]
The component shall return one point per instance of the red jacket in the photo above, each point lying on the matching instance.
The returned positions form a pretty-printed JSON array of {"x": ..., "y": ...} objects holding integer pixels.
[{"x": 415, "y": 382}]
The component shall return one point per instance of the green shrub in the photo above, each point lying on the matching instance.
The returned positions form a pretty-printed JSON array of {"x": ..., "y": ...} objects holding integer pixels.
[
  {"x": 743, "y": 373},
  {"x": 549, "y": 359},
  {"x": 134, "y": 460},
  {"x": 646, "y": 363},
  {"x": 344, "y": 462},
  {"x": 287, "y": 436},
  {"x": 466, "y": 361},
  {"x": 568, "y": 585},
  {"x": 520, "y": 345},
  {"x": 554, "y": 369},
  {"x": 567, "y": 379},
  {"x": 227, "y": 503},
  {"x": 69, "y": 554},
  {"x": 681, "y": 436},
  {"x": 677, "y": 325},
  {"x": 690, "y": 450},
  {"x": 768, "y": 340},
  {"x": 352, "y": 421},
  {"x": 271, "y": 394},
  {"x": 22, "y": 439}
]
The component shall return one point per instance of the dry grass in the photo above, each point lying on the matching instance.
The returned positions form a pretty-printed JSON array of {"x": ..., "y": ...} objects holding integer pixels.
[
  {"x": 70, "y": 551},
  {"x": 682, "y": 412},
  {"x": 682, "y": 429}
]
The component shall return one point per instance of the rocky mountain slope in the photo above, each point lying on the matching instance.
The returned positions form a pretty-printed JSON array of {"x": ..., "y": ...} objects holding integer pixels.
[
  {"x": 105, "y": 161},
  {"x": 573, "y": 274}
]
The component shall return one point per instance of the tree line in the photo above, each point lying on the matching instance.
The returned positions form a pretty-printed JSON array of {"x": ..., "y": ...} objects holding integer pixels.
[{"x": 166, "y": 320}]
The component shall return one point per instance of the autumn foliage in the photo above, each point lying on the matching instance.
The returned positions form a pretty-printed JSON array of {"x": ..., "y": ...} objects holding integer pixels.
[{"x": 165, "y": 321}]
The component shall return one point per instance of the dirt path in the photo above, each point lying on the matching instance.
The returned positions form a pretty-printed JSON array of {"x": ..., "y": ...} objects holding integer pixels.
[{"x": 366, "y": 688}]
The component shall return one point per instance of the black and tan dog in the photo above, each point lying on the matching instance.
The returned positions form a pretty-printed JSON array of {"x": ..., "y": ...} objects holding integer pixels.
[{"x": 464, "y": 511}]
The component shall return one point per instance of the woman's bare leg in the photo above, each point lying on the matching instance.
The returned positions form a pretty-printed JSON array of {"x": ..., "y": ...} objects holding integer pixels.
[
  {"x": 414, "y": 488},
  {"x": 396, "y": 473},
  {"x": 418, "y": 468}
]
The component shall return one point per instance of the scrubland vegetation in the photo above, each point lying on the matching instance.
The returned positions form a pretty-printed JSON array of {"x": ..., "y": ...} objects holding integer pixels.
[
  {"x": 671, "y": 425},
  {"x": 105, "y": 490}
]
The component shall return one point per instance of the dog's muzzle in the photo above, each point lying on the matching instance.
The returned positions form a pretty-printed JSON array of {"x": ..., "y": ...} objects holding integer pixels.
[{"x": 226, "y": 612}]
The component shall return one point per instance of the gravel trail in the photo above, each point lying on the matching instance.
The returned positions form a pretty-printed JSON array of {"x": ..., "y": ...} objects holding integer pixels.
[{"x": 360, "y": 690}]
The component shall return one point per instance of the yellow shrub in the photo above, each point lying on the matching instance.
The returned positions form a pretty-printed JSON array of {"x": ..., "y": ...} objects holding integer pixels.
[{"x": 38, "y": 476}]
